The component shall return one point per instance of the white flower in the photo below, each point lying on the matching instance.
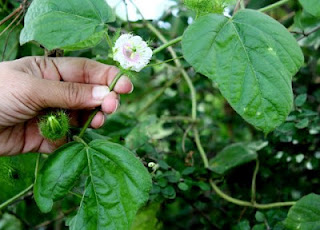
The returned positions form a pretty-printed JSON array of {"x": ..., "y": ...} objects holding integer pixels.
[{"x": 132, "y": 52}]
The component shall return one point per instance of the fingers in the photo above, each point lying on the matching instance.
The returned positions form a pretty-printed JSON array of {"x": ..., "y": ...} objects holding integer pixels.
[
  {"x": 76, "y": 70},
  {"x": 98, "y": 120}
]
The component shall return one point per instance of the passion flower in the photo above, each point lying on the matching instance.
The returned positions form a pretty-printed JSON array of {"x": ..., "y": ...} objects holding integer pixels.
[{"x": 131, "y": 52}]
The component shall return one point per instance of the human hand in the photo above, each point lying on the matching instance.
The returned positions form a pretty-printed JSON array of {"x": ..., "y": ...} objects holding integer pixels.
[{"x": 30, "y": 85}]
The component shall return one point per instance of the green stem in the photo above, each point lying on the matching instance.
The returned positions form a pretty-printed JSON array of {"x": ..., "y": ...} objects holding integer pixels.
[
  {"x": 88, "y": 122},
  {"x": 166, "y": 45},
  {"x": 109, "y": 41},
  {"x": 274, "y": 5},
  {"x": 230, "y": 199},
  {"x": 200, "y": 148},
  {"x": 16, "y": 197},
  {"x": 254, "y": 182}
]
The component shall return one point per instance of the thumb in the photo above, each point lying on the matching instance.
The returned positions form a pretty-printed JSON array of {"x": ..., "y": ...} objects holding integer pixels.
[{"x": 70, "y": 95}]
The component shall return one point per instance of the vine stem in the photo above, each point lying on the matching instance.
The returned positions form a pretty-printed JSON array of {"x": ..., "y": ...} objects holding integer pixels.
[
  {"x": 274, "y": 5},
  {"x": 166, "y": 45},
  {"x": 88, "y": 122},
  {"x": 247, "y": 203},
  {"x": 16, "y": 197},
  {"x": 254, "y": 182}
]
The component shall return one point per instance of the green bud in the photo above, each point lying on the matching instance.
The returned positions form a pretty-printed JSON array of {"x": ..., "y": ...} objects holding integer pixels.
[
  {"x": 202, "y": 7},
  {"x": 54, "y": 126}
]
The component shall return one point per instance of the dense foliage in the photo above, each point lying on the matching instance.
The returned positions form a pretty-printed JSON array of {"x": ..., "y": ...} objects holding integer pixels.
[{"x": 226, "y": 140}]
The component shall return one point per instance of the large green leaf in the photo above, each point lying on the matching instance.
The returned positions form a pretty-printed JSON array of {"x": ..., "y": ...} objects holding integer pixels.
[
  {"x": 59, "y": 174},
  {"x": 252, "y": 58},
  {"x": 117, "y": 187},
  {"x": 305, "y": 214},
  {"x": 312, "y": 6},
  {"x": 233, "y": 156},
  {"x": 70, "y": 25},
  {"x": 16, "y": 174}
]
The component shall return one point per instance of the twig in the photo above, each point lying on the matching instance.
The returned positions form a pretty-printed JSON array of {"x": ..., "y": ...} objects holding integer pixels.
[
  {"x": 309, "y": 33},
  {"x": 7, "y": 39},
  {"x": 59, "y": 217},
  {"x": 11, "y": 15},
  {"x": 11, "y": 23}
]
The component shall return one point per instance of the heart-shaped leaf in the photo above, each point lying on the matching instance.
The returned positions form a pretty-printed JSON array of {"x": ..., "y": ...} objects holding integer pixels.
[
  {"x": 252, "y": 58},
  {"x": 305, "y": 214},
  {"x": 117, "y": 186},
  {"x": 69, "y": 25}
]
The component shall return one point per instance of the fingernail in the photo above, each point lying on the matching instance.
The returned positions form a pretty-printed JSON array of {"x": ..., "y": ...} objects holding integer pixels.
[
  {"x": 118, "y": 104},
  {"x": 103, "y": 120},
  {"x": 131, "y": 89},
  {"x": 100, "y": 92}
]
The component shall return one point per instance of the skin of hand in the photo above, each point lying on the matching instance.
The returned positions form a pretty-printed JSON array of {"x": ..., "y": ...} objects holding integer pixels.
[{"x": 30, "y": 85}]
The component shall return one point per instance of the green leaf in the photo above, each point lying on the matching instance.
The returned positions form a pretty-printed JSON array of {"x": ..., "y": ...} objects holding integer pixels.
[
  {"x": 16, "y": 174},
  {"x": 231, "y": 157},
  {"x": 300, "y": 100},
  {"x": 311, "y": 6},
  {"x": 59, "y": 174},
  {"x": 9, "y": 43},
  {"x": 10, "y": 222},
  {"x": 118, "y": 185},
  {"x": 260, "y": 216},
  {"x": 303, "y": 123},
  {"x": 69, "y": 25},
  {"x": 252, "y": 58},
  {"x": 305, "y": 214}
]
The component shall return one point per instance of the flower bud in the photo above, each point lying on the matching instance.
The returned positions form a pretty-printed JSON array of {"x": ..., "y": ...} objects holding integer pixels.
[{"x": 54, "y": 126}]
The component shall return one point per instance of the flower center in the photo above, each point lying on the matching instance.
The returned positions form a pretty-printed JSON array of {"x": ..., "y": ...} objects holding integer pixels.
[{"x": 130, "y": 52}]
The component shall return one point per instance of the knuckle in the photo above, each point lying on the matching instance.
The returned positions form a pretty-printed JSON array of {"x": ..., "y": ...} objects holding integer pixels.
[{"x": 73, "y": 94}]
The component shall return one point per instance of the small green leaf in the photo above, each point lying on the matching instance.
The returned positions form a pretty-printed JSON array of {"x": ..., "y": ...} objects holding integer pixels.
[
  {"x": 59, "y": 174},
  {"x": 303, "y": 123},
  {"x": 305, "y": 214},
  {"x": 118, "y": 185},
  {"x": 183, "y": 186},
  {"x": 56, "y": 24},
  {"x": 260, "y": 216},
  {"x": 16, "y": 174},
  {"x": 168, "y": 192},
  {"x": 300, "y": 100},
  {"x": 252, "y": 58},
  {"x": 231, "y": 157},
  {"x": 311, "y": 6},
  {"x": 243, "y": 225}
]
